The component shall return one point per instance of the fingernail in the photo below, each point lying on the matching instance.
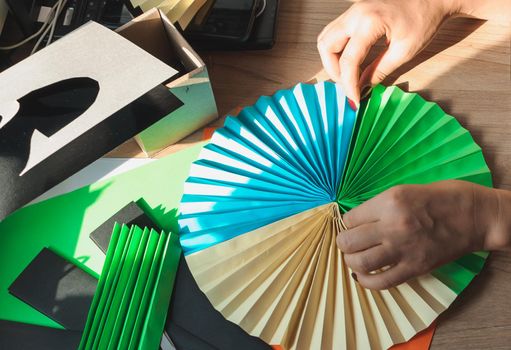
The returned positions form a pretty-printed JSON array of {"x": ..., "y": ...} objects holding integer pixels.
[
  {"x": 352, "y": 104},
  {"x": 354, "y": 276},
  {"x": 365, "y": 91}
]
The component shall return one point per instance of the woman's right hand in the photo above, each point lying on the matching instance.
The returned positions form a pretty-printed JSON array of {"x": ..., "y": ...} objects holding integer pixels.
[{"x": 407, "y": 25}]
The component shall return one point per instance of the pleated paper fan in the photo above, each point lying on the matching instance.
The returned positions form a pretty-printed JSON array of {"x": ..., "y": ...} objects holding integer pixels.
[{"x": 261, "y": 209}]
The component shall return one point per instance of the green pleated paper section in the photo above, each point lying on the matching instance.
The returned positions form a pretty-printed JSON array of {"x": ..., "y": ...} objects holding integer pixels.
[
  {"x": 109, "y": 275},
  {"x": 155, "y": 319},
  {"x": 136, "y": 331},
  {"x": 140, "y": 287},
  {"x": 129, "y": 308},
  {"x": 400, "y": 138}
]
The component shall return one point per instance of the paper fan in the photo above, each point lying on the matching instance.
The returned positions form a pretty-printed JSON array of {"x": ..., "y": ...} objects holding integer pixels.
[{"x": 261, "y": 210}]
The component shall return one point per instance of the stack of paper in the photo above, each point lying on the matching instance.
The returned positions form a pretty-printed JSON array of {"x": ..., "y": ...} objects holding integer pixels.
[
  {"x": 178, "y": 11},
  {"x": 133, "y": 294}
]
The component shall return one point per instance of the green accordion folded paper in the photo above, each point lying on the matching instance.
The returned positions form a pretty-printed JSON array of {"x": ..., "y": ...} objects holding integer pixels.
[
  {"x": 262, "y": 207},
  {"x": 133, "y": 294}
]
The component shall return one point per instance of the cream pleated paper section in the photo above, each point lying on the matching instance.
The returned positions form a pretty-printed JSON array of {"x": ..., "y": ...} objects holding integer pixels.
[{"x": 287, "y": 284}]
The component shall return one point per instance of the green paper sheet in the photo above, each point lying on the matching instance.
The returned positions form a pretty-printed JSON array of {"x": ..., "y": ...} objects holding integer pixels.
[{"x": 65, "y": 222}]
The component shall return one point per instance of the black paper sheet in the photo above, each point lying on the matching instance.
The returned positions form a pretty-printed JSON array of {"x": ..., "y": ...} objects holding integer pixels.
[
  {"x": 57, "y": 288},
  {"x": 21, "y": 336}
]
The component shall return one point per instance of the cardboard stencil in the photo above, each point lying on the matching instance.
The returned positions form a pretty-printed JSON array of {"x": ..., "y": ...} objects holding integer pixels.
[{"x": 72, "y": 102}]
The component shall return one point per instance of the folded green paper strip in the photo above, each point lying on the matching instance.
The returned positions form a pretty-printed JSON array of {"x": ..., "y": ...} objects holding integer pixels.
[{"x": 133, "y": 295}]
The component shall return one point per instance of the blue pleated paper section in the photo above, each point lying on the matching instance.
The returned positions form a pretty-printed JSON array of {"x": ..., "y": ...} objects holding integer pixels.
[{"x": 281, "y": 156}]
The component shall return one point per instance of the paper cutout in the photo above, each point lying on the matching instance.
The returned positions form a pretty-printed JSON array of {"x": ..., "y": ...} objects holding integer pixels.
[
  {"x": 278, "y": 275},
  {"x": 79, "y": 53},
  {"x": 76, "y": 102},
  {"x": 131, "y": 302}
]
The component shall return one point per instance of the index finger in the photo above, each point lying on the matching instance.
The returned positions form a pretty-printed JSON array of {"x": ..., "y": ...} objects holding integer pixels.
[
  {"x": 365, "y": 213},
  {"x": 352, "y": 57},
  {"x": 331, "y": 42},
  {"x": 359, "y": 238}
]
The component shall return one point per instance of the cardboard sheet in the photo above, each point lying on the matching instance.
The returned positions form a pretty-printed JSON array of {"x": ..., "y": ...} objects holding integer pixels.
[
  {"x": 131, "y": 214},
  {"x": 71, "y": 103}
]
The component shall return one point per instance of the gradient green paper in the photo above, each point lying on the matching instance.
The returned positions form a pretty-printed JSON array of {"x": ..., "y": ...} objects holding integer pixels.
[
  {"x": 138, "y": 285},
  {"x": 65, "y": 222},
  {"x": 402, "y": 139}
]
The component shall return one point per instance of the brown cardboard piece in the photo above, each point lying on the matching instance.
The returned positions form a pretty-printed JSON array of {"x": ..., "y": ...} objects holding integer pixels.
[{"x": 154, "y": 32}]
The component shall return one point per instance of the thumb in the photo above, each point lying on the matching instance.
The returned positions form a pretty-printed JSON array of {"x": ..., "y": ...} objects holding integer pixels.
[{"x": 386, "y": 63}]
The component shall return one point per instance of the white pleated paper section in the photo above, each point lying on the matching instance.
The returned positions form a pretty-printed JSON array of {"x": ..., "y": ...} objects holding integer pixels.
[{"x": 287, "y": 284}]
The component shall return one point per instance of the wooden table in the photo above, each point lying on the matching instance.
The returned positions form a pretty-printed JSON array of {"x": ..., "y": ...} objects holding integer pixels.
[{"x": 466, "y": 69}]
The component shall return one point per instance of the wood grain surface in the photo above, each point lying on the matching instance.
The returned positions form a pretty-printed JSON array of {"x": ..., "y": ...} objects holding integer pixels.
[{"x": 466, "y": 69}]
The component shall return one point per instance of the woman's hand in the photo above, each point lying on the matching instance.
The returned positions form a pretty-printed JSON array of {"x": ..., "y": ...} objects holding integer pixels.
[
  {"x": 409, "y": 230},
  {"x": 407, "y": 25}
]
